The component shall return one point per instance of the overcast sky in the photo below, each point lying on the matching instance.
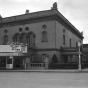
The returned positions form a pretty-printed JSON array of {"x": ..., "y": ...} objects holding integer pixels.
[{"x": 76, "y": 11}]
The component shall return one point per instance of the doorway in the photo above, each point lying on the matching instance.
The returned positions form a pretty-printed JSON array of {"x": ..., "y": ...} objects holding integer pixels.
[
  {"x": 65, "y": 58},
  {"x": 2, "y": 62},
  {"x": 17, "y": 63}
]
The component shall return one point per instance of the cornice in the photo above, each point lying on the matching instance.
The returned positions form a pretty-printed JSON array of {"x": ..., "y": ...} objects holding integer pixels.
[
  {"x": 26, "y": 16},
  {"x": 38, "y": 17}
]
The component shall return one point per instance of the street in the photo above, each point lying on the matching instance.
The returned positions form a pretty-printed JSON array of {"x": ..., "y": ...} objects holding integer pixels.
[{"x": 43, "y": 80}]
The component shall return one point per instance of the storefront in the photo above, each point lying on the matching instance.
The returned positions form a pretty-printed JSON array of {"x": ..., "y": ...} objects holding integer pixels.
[
  {"x": 12, "y": 62},
  {"x": 13, "y": 56}
]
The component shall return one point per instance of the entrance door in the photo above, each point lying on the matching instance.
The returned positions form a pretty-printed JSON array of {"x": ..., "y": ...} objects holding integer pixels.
[
  {"x": 65, "y": 58},
  {"x": 2, "y": 62},
  {"x": 17, "y": 63},
  {"x": 9, "y": 62}
]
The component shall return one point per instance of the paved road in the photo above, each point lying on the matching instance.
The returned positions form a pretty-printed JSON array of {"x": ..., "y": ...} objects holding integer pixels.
[{"x": 43, "y": 80}]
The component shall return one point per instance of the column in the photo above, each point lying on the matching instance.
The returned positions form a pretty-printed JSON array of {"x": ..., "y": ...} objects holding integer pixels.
[
  {"x": 46, "y": 61},
  {"x": 27, "y": 62}
]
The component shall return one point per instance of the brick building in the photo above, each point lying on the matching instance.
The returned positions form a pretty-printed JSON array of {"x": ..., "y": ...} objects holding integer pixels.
[
  {"x": 85, "y": 49},
  {"x": 47, "y": 35}
]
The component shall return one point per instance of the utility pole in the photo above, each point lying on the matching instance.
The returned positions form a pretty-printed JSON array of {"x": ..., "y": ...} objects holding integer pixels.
[{"x": 79, "y": 52}]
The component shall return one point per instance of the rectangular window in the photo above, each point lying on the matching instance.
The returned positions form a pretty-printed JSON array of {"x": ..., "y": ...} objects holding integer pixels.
[
  {"x": 5, "y": 41},
  {"x": 44, "y": 36},
  {"x": 63, "y": 30},
  {"x": 76, "y": 44},
  {"x": 43, "y": 57},
  {"x": 64, "y": 39},
  {"x": 9, "y": 60},
  {"x": 32, "y": 56},
  {"x": 70, "y": 42}
]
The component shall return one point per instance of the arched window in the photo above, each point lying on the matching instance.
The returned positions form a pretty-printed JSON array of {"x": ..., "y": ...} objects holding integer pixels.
[
  {"x": 23, "y": 38},
  {"x": 16, "y": 37},
  {"x": 5, "y": 40},
  {"x": 44, "y": 36},
  {"x": 31, "y": 39}
]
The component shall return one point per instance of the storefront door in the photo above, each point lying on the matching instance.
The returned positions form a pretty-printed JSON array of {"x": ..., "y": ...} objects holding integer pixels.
[
  {"x": 65, "y": 58},
  {"x": 17, "y": 63},
  {"x": 2, "y": 62}
]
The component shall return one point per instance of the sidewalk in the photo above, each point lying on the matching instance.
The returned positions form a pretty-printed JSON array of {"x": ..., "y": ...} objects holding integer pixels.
[{"x": 51, "y": 71}]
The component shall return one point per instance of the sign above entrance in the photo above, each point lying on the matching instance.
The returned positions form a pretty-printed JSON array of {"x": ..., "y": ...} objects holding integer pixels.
[{"x": 13, "y": 48}]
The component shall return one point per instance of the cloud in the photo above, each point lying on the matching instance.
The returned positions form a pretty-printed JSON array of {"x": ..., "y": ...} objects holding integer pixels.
[
  {"x": 77, "y": 13},
  {"x": 74, "y": 10}
]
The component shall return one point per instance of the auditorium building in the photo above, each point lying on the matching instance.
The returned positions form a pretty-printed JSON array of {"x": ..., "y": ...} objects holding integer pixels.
[{"x": 35, "y": 40}]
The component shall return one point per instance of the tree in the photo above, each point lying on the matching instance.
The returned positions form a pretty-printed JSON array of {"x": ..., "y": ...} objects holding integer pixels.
[{"x": 54, "y": 59}]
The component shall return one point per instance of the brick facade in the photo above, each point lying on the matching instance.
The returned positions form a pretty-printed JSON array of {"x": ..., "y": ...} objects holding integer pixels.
[{"x": 52, "y": 22}]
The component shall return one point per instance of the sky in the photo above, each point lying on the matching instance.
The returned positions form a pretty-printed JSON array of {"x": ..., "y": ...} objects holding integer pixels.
[{"x": 76, "y": 11}]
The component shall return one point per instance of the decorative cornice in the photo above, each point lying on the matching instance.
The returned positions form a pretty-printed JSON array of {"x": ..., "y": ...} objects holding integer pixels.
[{"x": 38, "y": 17}]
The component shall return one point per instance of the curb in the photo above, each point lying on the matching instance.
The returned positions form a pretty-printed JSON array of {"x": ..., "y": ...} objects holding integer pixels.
[{"x": 46, "y": 71}]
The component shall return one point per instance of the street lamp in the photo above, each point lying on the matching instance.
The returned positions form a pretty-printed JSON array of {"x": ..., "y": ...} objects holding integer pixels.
[{"x": 79, "y": 52}]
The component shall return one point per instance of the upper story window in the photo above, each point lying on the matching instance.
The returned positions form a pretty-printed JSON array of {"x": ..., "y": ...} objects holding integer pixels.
[
  {"x": 27, "y": 28},
  {"x": 20, "y": 29},
  {"x": 44, "y": 36},
  {"x": 64, "y": 39},
  {"x": 5, "y": 40},
  {"x": 23, "y": 38},
  {"x": 31, "y": 39},
  {"x": 76, "y": 44},
  {"x": 5, "y": 31},
  {"x": 70, "y": 42},
  {"x": 44, "y": 26},
  {"x": 63, "y": 30},
  {"x": 16, "y": 37}
]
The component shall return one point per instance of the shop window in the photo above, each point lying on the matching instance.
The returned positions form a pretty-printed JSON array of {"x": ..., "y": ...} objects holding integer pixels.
[
  {"x": 44, "y": 36},
  {"x": 9, "y": 61}
]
